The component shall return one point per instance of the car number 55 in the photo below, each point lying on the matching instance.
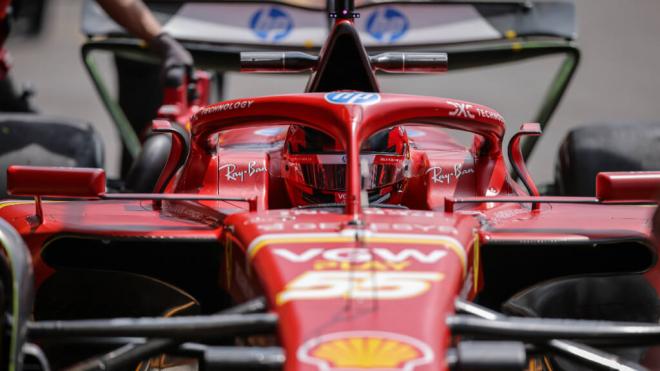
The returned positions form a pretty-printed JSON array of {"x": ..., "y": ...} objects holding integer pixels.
[{"x": 358, "y": 285}]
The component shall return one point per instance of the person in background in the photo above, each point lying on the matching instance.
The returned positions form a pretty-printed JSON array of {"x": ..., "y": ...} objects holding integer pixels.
[
  {"x": 137, "y": 19},
  {"x": 140, "y": 84},
  {"x": 12, "y": 99}
]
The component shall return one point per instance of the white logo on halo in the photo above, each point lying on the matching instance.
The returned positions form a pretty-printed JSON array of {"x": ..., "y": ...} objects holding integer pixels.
[
  {"x": 461, "y": 110},
  {"x": 356, "y": 98}
]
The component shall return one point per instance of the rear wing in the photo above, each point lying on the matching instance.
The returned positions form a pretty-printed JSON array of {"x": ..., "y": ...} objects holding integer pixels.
[
  {"x": 473, "y": 33},
  {"x": 382, "y": 25}
]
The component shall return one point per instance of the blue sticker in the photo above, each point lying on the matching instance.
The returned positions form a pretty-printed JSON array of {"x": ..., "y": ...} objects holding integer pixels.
[
  {"x": 387, "y": 25},
  {"x": 271, "y": 24},
  {"x": 360, "y": 99}
]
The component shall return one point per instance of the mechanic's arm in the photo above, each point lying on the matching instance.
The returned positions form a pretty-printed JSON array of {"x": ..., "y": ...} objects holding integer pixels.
[{"x": 137, "y": 19}]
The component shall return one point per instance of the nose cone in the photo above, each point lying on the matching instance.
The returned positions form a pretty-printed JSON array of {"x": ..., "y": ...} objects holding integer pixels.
[{"x": 362, "y": 299}]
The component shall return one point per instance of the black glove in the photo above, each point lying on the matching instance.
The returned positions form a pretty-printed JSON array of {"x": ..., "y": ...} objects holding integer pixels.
[{"x": 176, "y": 60}]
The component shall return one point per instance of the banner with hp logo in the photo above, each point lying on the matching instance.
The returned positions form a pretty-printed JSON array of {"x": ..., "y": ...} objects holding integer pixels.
[
  {"x": 387, "y": 25},
  {"x": 271, "y": 24}
]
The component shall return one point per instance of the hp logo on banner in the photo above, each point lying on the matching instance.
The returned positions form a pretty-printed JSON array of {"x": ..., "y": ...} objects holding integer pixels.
[
  {"x": 387, "y": 25},
  {"x": 360, "y": 99},
  {"x": 271, "y": 24}
]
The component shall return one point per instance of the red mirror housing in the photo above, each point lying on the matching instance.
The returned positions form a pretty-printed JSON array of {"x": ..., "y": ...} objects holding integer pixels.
[
  {"x": 637, "y": 186},
  {"x": 55, "y": 181}
]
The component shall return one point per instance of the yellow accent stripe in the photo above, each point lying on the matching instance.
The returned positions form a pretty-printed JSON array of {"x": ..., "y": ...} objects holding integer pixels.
[
  {"x": 287, "y": 239},
  {"x": 172, "y": 312},
  {"x": 26, "y": 202},
  {"x": 14, "y": 203}
]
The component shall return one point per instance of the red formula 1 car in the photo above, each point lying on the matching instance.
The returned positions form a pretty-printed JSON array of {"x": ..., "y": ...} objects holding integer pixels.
[{"x": 338, "y": 229}]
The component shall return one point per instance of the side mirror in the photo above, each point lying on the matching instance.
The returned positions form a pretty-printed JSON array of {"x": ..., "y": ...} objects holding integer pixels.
[
  {"x": 633, "y": 186},
  {"x": 55, "y": 181}
]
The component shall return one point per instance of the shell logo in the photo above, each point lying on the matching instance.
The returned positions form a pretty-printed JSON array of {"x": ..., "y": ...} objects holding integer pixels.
[{"x": 365, "y": 350}]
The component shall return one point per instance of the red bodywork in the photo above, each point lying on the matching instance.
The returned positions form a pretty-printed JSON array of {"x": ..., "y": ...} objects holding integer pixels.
[{"x": 356, "y": 287}]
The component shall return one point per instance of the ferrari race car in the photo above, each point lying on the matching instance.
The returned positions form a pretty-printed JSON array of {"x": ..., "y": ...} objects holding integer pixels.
[{"x": 343, "y": 228}]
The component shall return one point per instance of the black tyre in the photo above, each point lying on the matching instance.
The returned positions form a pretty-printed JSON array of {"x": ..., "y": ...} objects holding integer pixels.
[
  {"x": 588, "y": 150},
  {"x": 620, "y": 298},
  {"x": 146, "y": 169},
  {"x": 5, "y": 295}
]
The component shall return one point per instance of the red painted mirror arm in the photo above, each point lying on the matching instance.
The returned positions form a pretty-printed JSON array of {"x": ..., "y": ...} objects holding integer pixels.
[{"x": 518, "y": 161}]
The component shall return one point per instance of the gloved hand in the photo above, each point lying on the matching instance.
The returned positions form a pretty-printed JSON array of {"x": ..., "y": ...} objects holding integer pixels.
[{"x": 176, "y": 60}]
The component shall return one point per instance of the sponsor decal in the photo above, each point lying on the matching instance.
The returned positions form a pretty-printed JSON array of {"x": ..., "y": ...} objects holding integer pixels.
[
  {"x": 389, "y": 285},
  {"x": 231, "y": 173},
  {"x": 270, "y": 226},
  {"x": 271, "y": 24},
  {"x": 371, "y": 265},
  {"x": 377, "y": 211},
  {"x": 438, "y": 175},
  {"x": 365, "y": 350},
  {"x": 387, "y": 25},
  {"x": 350, "y": 236},
  {"x": 489, "y": 114},
  {"x": 221, "y": 107},
  {"x": 404, "y": 213},
  {"x": 355, "y": 98},
  {"x": 468, "y": 111},
  {"x": 361, "y": 255},
  {"x": 359, "y": 259},
  {"x": 461, "y": 110}
]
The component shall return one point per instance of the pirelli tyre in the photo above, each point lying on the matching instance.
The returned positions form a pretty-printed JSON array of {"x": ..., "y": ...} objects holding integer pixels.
[
  {"x": 41, "y": 140},
  {"x": 588, "y": 150}
]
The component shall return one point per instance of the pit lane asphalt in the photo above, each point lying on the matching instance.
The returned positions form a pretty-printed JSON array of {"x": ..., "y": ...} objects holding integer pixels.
[{"x": 617, "y": 81}]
